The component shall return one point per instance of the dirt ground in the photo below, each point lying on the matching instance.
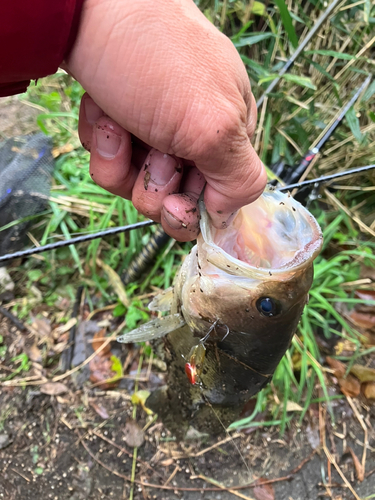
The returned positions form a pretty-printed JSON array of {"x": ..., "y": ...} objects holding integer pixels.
[
  {"x": 78, "y": 445},
  {"x": 17, "y": 117}
]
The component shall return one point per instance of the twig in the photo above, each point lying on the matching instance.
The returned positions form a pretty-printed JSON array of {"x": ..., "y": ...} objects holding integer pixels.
[
  {"x": 222, "y": 487},
  {"x": 330, "y": 457},
  {"x": 21, "y": 475},
  {"x": 356, "y": 219},
  {"x": 219, "y": 443},
  {"x": 363, "y": 425},
  {"x": 179, "y": 488},
  {"x": 124, "y": 450},
  {"x": 176, "y": 469}
]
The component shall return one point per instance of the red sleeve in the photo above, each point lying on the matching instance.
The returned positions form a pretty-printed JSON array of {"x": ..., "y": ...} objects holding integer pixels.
[{"x": 35, "y": 36}]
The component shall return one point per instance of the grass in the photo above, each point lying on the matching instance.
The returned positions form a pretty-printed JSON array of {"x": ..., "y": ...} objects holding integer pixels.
[{"x": 291, "y": 120}]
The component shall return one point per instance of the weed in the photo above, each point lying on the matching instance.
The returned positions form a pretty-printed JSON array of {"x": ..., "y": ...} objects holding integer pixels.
[{"x": 292, "y": 118}]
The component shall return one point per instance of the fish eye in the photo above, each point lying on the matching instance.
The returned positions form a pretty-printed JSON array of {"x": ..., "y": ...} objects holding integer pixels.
[{"x": 268, "y": 307}]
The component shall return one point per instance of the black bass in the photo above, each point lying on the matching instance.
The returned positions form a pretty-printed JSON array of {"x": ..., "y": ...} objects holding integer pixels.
[{"x": 233, "y": 310}]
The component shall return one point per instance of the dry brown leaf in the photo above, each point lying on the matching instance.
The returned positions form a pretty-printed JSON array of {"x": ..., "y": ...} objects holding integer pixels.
[
  {"x": 370, "y": 336},
  {"x": 350, "y": 386},
  {"x": 101, "y": 373},
  {"x": 292, "y": 406},
  {"x": 368, "y": 390},
  {"x": 362, "y": 319},
  {"x": 365, "y": 294},
  {"x": 34, "y": 353},
  {"x": 263, "y": 491},
  {"x": 338, "y": 367},
  {"x": 363, "y": 373},
  {"x": 42, "y": 326},
  {"x": 360, "y": 473},
  {"x": 53, "y": 388},
  {"x": 98, "y": 340},
  {"x": 134, "y": 435}
]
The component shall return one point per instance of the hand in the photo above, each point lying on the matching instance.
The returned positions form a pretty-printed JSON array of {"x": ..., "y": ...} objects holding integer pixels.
[{"x": 169, "y": 108}]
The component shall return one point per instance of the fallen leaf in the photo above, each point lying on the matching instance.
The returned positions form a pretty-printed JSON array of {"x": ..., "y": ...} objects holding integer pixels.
[
  {"x": 365, "y": 294},
  {"x": 43, "y": 327},
  {"x": 133, "y": 434},
  {"x": 362, "y": 319},
  {"x": 53, "y": 388},
  {"x": 98, "y": 340},
  {"x": 292, "y": 406},
  {"x": 370, "y": 336},
  {"x": 349, "y": 385},
  {"x": 338, "y": 367},
  {"x": 34, "y": 353},
  {"x": 263, "y": 491},
  {"x": 368, "y": 390},
  {"x": 363, "y": 373},
  {"x": 360, "y": 473},
  {"x": 101, "y": 373}
]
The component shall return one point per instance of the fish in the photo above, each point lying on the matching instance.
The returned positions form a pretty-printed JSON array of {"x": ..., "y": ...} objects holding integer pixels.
[{"x": 232, "y": 312}]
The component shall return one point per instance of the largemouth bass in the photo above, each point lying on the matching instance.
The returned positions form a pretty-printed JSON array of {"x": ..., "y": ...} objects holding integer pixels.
[{"x": 233, "y": 310}]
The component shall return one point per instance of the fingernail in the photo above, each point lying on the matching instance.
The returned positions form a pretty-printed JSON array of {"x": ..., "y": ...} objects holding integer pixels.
[
  {"x": 107, "y": 142},
  {"x": 171, "y": 220},
  {"x": 161, "y": 167},
  {"x": 92, "y": 111}
]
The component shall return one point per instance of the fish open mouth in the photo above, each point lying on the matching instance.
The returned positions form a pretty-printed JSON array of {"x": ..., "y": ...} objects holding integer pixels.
[{"x": 275, "y": 232}]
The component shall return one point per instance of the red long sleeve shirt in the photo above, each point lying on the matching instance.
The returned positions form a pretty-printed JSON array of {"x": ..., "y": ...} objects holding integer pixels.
[{"x": 35, "y": 36}]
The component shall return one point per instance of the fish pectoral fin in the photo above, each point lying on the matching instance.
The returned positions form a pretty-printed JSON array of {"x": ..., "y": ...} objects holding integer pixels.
[
  {"x": 163, "y": 301},
  {"x": 154, "y": 329}
]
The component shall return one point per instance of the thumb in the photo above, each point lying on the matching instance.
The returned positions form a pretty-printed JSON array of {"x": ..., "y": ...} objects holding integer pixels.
[{"x": 233, "y": 181}]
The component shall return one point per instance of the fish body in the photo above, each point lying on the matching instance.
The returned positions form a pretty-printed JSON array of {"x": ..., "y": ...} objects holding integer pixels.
[{"x": 239, "y": 294}]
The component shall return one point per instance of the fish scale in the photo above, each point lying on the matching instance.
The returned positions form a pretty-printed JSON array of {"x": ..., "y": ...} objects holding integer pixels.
[{"x": 230, "y": 321}]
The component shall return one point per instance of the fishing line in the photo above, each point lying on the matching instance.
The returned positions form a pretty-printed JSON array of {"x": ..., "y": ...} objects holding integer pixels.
[{"x": 227, "y": 433}]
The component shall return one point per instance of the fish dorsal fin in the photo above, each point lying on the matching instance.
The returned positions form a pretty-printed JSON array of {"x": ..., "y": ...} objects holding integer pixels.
[
  {"x": 162, "y": 301},
  {"x": 154, "y": 329}
]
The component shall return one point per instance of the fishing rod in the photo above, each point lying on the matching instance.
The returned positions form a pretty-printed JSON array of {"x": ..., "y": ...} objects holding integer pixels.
[
  {"x": 138, "y": 225},
  {"x": 144, "y": 259},
  {"x": 298, "y": 51},
  {"x": 301, "y": 167}
]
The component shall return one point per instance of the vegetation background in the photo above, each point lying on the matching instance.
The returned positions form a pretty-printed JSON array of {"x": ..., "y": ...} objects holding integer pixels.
[{"x": 290, "y": 121}]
